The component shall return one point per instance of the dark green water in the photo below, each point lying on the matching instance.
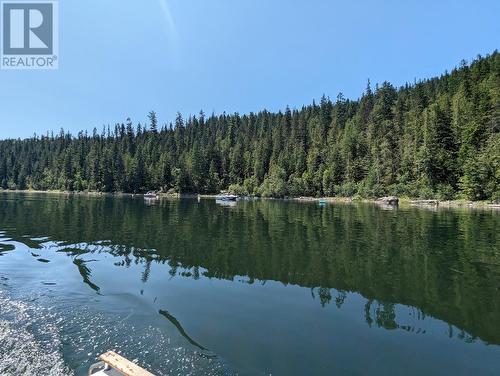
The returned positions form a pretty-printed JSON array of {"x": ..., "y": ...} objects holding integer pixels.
[{"x": 264, "y": 287}]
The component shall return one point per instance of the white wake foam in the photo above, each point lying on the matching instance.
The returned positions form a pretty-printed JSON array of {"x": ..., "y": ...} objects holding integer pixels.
[{"x": 29, "y": 343}]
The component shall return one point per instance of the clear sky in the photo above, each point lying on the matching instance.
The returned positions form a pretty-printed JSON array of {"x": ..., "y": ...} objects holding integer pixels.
[{"x": 123, "y": 58}]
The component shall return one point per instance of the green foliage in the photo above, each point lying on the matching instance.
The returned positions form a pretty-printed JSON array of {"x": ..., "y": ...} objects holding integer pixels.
[
  {"x": 481, "y": 177},
  {"x": 274, "y": 185},
  {"x": 437, "y": 138},
  {"x": 237, "y": 189}
]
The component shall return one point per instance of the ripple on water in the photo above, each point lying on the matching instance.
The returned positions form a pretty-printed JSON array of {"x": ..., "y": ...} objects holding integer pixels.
[
  {"x": 90, "y": 333},
  {"x": 41, "y": 334}
]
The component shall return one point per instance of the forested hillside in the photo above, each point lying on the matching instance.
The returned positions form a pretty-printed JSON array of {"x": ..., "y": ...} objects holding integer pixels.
[{"x": 439, "y": 137}]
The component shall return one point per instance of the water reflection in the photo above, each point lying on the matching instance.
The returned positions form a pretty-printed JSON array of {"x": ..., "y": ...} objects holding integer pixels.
[
  {"x": 6, "y": 248},
  {"x": 445, "y": 264},
  {"x": 85, "y": 272},
  {"x": 227, "y": 204}
]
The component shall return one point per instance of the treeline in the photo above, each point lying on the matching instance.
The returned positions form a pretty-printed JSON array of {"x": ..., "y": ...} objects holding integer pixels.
[{"x": 434, "y": 138}]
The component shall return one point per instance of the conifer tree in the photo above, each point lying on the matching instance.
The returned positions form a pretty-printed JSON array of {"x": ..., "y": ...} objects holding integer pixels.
[{"x": 438, "y": 137}]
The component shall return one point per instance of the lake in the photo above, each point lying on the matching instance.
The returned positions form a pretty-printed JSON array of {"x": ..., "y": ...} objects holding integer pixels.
[{"x": 263, "y": 287}]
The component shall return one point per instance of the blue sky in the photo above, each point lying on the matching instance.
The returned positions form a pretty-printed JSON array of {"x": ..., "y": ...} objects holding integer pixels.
[{"x": 123, "y": 58}]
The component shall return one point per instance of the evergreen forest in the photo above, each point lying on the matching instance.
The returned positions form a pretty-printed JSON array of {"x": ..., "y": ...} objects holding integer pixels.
[{"x": 434, "y": 138}]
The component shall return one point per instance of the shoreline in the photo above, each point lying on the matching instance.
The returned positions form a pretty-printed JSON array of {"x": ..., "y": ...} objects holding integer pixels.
[{"x": 403, "y": 201}]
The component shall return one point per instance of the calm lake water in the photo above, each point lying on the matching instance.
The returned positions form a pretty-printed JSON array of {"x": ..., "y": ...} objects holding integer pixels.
[{"x": 259, "y": 288}]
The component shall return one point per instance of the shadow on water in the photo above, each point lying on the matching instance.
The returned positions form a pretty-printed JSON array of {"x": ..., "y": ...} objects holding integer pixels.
[
  {"x": 182, "y": 332},
  {"x": 85, "y": 272},
  {"x": 444, "y": 263}
]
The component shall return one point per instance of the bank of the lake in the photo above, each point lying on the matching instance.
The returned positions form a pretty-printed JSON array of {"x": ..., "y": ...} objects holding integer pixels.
[{"x": 403, "y": 201}]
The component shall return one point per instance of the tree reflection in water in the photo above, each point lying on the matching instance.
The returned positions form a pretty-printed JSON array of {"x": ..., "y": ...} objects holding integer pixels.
[{"x": 445, "y": 263}]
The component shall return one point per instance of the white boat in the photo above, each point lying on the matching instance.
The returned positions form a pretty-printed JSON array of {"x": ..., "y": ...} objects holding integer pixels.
[
  {"x": 226, "y": 197},
  {"x": 150, "y": 195},
  {"x": 112, "y": 364}
]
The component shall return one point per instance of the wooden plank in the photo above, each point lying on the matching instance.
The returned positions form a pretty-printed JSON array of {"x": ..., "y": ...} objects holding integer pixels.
[{"x": 123, "y": 365}]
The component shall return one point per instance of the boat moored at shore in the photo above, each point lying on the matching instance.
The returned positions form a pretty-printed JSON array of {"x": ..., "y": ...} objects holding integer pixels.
[
  {"x": 150, "y": 195},
  {"x": 223, "y": 197}
]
